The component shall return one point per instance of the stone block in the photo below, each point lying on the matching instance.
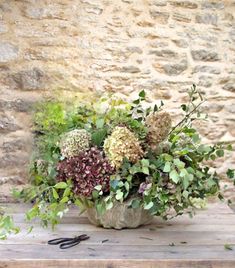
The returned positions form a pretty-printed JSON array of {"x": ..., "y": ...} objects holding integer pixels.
[
  {"x": 8, "y": 124},
  {"x": 207, "y": 19},
  {"x": 8, "y": 52},
  {"x": 205, "y": 55},
  {"x": 32, "y": 79},
  {"x": 184, "y": 4},
  {"x": 160, "y": 17}
]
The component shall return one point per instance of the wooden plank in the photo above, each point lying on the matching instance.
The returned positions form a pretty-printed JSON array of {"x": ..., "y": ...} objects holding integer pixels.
[
  {"x": 131, "y": 238},
  {"x": 105, "y": 251},
  {"x": 117, "y": 263}
]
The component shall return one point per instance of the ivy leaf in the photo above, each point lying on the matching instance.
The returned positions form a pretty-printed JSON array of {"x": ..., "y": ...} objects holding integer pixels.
[
  {"x": 167, "y": 167},
  {"x": 61, "y": 185},
  {"x": 220, "y": 153},
  {"x": 231, "y": 173},
  {"x": 114, "y": 184},
  {"x": 127, "y": 186},
  {"x": 149, "y": 205},
  {"x": 155, "y": 109},
  {"x": 184, "y": 107},
  {"x": 119, "y": 195},
  {"x": 174, "y": 176},
  {"x": 109, "y": 205},
  {"x": 185, "y": 182},
  {"x": 145, "y": 170},
  {"x": 142, "y": 94},
  {"x": 98, "y": 187},
  {"x": 145, "y": 162},
  {"x": 179, "y": 163}
]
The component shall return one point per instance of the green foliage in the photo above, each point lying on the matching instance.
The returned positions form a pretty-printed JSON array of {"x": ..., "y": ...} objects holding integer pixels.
[{"x": 7, "y": 225}]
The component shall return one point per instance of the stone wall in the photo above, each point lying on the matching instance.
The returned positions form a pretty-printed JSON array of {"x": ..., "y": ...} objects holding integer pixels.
[{"x": 162, "y": 46}]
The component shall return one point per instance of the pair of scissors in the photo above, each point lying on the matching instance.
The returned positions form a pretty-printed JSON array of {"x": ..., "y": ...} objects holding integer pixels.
[{"x": 68, "y": 242}]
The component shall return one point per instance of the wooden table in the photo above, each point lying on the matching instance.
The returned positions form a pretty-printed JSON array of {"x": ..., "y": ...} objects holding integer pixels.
[{"x": 179, "y": 243}]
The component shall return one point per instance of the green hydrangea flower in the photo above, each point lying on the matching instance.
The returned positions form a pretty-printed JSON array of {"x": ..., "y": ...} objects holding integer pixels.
[
  {"x": 159, "y": 126},
  {"x": 74, "y": 142},
  {"x": 121, "y": 144}
]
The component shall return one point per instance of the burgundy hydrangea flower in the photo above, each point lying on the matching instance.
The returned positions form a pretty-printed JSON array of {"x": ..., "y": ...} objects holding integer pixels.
[{"x": 87, "y": 170}]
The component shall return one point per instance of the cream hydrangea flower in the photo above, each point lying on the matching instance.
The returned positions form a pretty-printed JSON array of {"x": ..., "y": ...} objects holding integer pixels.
[
  {"x": 74, "y": 142},
  {"x": 159, "y": 126},
  {"x": 121, "y": 144}
]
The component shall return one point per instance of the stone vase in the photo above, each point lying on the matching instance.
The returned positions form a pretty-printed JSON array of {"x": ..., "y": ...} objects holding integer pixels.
[{"x": 120, "y": 216}]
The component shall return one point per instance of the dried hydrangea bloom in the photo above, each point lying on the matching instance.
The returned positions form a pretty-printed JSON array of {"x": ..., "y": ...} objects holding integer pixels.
[
  {"x": 87, "y": 170},
  {"x": 121, "y": 144},
  {"x": 74, "y": 142},
  {"x": 159, "y": 126}
]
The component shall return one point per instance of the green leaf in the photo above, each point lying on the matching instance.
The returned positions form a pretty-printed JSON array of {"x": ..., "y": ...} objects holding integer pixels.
[
  {"x": 100, "y": 122},
  {"x": 231, "y": 173},
  {"x": 109, "y": 205},
  {"x": 67, "y": 192},
  {"x": 119, "y": 195},
  {"x": 135, "y": 203},
  {"x": 95, "y": 194},
  {"x": 186, "y": 182},
  {"x": 142, "y": 94},
  {"x": 64, "y": 200},
  {"x": 168, "y": 157},
  {"x": 228, "y": 247},
  {"x": 196, "y": 138},
  {"x": 155, "y": 108},
  {"x": 145, "y": 162},
  {"x": 229, "y": 147},
  {"x": 149, "y": 205},
  {"x": 145, "y": 170},
  {"x": 220, "y": 153},
  {"x": 183, "y": 172},
  {"x": 167, "y": 167},
  {"x": 174, "y": 176},
  {"x": 61, "y": 185},
  {"x": 185, "y": 194},
  {"x": 179, "y": 163},
  {"x": 55, "y": 194},
  {"x": 78, "y": 203},
  {"x": 127, "y": 186},
  {"x": 100, "y": 207},
  {"x": 184, "y": 107},
  {"x": 29, "y": 230},
  {"x": 114, "y": 184},
  {"x": 98, "y": 187},
  {"x": 98, "y": 137},
  {"x": 136, "y": 101}
]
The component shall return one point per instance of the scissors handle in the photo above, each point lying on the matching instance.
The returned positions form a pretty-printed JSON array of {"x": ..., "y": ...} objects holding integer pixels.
[
  {"x": 58, "y": 241},
  {"x": 69, "y": 244},
  {"x": 82, "y": 237}
]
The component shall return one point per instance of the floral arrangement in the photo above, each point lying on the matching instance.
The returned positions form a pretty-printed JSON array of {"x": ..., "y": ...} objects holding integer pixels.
[{"x": 110, "y": 151}]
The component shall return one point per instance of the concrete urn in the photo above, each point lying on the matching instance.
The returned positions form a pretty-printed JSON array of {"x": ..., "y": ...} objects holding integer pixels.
[{"x": 120, "y": 216}]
